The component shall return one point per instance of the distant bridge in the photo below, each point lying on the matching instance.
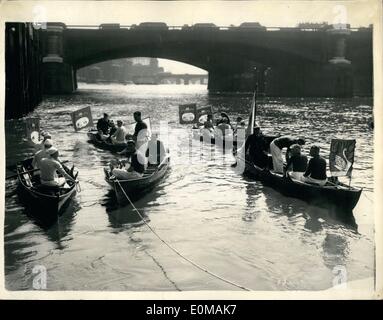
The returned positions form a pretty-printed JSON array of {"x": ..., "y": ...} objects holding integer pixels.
[{"x": 161, "y": 78}]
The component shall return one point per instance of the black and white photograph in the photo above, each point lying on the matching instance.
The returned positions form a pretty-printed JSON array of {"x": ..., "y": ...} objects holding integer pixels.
[{"x": 191, "y": 147}]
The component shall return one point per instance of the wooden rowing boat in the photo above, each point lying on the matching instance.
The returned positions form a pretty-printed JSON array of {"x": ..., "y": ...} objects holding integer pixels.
[
  {"x": 134, "y": 188},
  {"x": 339, "y": 195},
  {"x": 95, "y": 140},
  {"x": 45, "y": 204}
]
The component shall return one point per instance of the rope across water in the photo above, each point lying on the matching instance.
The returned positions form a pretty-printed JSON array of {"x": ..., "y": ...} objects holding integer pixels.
[{"x": 176, "y": 251}]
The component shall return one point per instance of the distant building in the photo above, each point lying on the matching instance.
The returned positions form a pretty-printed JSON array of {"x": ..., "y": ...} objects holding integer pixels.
[
  {"x": 122, "y": 70},
  {"x": 137, "y": 71}
]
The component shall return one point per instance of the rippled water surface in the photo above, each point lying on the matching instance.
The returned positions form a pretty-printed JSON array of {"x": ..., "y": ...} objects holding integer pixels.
[{"x": 232, "y": 226}]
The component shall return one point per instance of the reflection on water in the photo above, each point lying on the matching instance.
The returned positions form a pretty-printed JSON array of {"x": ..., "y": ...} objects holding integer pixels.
[{"x": 221, "y": 220}]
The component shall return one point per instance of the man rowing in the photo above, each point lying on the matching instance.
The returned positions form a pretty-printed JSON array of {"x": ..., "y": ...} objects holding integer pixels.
[
  {"x": 41, "y": 154},
  {"x": 48, "y": 170},
  {"x": 276, "y": 147}
]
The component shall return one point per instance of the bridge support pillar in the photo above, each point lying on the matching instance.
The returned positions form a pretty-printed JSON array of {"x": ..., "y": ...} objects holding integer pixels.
[
  {"x": 329, "y": 80},
  {"x": 58, "y": 76},
  {"x": 339, "y": 33}
]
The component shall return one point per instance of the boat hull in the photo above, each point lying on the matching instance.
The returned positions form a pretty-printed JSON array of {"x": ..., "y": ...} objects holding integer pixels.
[
  {"x": 93, "y": 138},
  {"x": 136, "y": 188},
  {"x": 339, "y": 197},
  {"x": 45, "y": 206}
]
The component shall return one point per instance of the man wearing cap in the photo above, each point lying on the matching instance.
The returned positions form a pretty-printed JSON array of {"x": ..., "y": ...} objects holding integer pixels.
[
  {"x": 41, "y": 154},
  {"x": 48, "y": 170},
  {"x": 45, "y": 136}
]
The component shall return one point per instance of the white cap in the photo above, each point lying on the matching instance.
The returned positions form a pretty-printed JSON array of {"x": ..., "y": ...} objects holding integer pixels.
[
  {"x": 52, "y": 151},
  {"x": 48, "y": 143}
]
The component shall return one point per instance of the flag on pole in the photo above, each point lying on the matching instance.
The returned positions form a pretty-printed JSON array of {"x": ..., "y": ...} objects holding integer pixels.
[
  {"x": 82, "y": 118},
  {"x": 341, "y": 157},
  {"x": 188, "y": 113},
  {"x": 202, "y": 114},
  {"x": 32, "y": 130}
]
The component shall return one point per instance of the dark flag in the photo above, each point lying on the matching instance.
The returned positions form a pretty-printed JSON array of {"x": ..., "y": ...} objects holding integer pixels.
[
  {"x": 82, "y": 118},
  {"x": 202, "y": 114},
  {"x": 32, "y": 130},
  {"x": 341, "y": 157},
  {"x": 188, "y": 113}
]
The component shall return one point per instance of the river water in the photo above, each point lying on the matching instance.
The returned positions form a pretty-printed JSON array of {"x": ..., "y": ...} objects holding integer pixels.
[{"x": 233, "y": 226}]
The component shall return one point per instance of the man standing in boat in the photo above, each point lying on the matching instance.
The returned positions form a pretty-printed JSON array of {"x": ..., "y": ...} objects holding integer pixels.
[
  {"x": 140, "y": 135},
  {"x": 276, "y": 148},
  {"x": 255, "y": 143}
]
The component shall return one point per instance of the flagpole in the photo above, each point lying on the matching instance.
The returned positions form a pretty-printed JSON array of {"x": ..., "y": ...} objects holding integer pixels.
[
  {"x": 255, "y": 103},
  {"x": 253, "y": 111}
]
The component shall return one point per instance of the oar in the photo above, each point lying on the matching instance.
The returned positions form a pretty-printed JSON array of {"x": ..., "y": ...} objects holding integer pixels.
[
  {"x": 30, "y": 171},
  {"x": 16, "y": 175}
]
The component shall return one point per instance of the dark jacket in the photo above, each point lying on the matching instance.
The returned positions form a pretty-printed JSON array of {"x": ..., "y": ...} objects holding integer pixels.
[
  {"x": 298, "y": 163},
  {"x": 316, "y": 168},
  {"x": 103, "y": 125},
  {"x": 139, "y": 126}
]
